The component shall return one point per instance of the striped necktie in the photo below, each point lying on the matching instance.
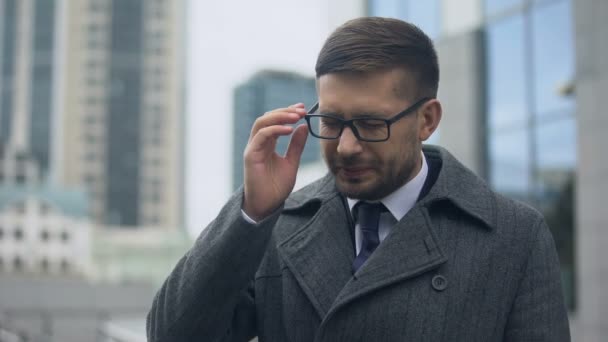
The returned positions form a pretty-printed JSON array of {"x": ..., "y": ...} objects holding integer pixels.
[{"x": 368, "y": 216}]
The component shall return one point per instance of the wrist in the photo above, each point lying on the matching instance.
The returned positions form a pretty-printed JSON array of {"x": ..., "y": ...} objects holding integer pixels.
[{"x": 254, "y": 215}]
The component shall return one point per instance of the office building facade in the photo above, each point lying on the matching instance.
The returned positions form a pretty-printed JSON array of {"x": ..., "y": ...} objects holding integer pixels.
[
  {"x": 521, "y": 84},
  {"x": 27, "y": 76},
  {"x": 265, "y": 91},
  {"x": 44, "y": 229},
  {"x": 97, "y": 86},
  {"x": 123, "y": 100}
]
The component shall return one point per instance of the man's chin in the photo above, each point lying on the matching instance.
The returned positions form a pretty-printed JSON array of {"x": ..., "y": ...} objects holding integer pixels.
[{"x": 358, "y": 189}]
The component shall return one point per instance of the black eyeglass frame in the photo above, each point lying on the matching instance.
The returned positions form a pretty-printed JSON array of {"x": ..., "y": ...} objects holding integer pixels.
[{"x": 353, "y": 128}]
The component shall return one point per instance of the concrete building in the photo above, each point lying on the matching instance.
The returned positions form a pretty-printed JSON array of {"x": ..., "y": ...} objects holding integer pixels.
[
  {"x": 26, "y": 75},
  {"x": 522, "y": 83},
  {"x": 44, "y": 229},
  {"x": 146, "y": 255},
  {"x": 98, "y": 86},
  {"x": 91, "y": 124},
  {"x": 123, "y": 106},
  {"x": 265, "y": 91}
]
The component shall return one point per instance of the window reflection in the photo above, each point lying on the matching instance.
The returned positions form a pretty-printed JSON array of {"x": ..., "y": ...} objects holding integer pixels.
[
  {"x": 386, "y": 8},
  {"x": 556, "y": 204},
  {"x": 497, "y": 6},
  {"x": 506, "y": 73},
  {"x": 556, "y": 143},
  {"x": 532, "y": 139},
  {"x": 424, "y": 14},
  {"x": 553, "y": 56},
  {"x": 510, "y": 163}
]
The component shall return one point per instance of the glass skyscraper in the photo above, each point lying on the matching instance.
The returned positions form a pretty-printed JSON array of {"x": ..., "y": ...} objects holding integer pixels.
[
  {"x": 522, "y": 84},
  {"x": 527, "y": 64},
  {"x": 265, "y": 91}
]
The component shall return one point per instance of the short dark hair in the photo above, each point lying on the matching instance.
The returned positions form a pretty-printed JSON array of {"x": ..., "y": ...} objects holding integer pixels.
[{"x": 371, "y": 44}]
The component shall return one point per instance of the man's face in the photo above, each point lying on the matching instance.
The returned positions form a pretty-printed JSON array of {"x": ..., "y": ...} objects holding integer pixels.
[{"x": 371, "y": 170}]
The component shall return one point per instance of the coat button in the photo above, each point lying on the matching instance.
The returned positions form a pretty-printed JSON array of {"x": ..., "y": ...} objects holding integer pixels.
[{"x": 439, "y": 282}]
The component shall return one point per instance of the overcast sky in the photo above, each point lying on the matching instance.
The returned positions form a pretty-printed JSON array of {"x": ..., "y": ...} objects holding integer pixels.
[{"x": 227, "y": 42}]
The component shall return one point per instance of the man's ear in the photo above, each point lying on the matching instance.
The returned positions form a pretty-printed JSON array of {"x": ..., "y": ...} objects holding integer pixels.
[{"x": 429, "y": 117}]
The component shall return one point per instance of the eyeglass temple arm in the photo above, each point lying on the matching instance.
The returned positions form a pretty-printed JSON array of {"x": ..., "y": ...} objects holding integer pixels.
[{"x": 313, "y": 108}]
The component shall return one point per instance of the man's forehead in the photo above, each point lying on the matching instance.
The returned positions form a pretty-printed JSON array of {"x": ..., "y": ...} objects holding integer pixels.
[
  {"x": 396, "y": 80},
  {"x": 339, "y": 91}
]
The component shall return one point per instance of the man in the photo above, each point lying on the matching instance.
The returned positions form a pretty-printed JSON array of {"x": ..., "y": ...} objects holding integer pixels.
[{"x": 399, "y": 242}]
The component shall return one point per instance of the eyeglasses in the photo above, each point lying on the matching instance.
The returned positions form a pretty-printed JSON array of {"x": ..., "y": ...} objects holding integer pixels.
[{"x": 371, "y": 129}]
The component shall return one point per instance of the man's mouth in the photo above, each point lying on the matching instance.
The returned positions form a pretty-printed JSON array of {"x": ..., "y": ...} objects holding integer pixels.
[{"x": 354, "y": 172}]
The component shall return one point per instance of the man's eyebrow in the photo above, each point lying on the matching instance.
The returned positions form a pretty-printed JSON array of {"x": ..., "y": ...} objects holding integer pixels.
[
  {"x": 331, "y": 112},
  {"x": 368, "y": 115}
]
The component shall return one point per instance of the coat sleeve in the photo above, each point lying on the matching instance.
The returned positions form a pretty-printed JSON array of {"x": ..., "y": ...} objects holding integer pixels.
[
  {"x": 209, "y": 295},
  {"x": 539, "y": 312}
]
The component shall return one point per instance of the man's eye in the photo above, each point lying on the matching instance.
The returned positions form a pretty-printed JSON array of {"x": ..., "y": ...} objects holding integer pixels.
[
  {"x": 371, "y": 124},
  {"x": 330, "y": 122}
]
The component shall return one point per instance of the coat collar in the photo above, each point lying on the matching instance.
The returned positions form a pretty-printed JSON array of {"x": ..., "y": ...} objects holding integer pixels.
[
  {"x": 319, "y": 253},
  {"x": 458, "y": 185}
]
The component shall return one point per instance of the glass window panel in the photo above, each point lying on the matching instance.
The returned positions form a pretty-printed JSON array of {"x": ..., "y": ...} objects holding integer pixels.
[
  {"x": 556, "y": 144},
  {"x": 506, "y": 73},
  {"x": 510, "y": 163},
  {"x": 386, "y": 8},
  {"x": 553, "y": 56},
  {"x": 556, "y": 150},
  {"x": 496, "y": 6},
  {"x": 425, "y": 14}
]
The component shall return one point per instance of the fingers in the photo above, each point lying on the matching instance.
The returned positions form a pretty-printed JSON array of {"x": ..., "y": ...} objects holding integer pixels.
[
  {"x": 296, "y": 144},
  {"x": 282, "y": 116},
  {"x": 266, "y": 138}
]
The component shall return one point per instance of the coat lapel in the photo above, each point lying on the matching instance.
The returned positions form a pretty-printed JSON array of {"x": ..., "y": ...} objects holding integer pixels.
[
  {"x": 321, "y": 252},
  {"x": 319, "y": 255},
  {"x": 408, "y": 251}
]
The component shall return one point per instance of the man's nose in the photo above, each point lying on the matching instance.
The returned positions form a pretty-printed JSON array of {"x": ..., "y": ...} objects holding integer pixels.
[{"x": 348, "y": 143}]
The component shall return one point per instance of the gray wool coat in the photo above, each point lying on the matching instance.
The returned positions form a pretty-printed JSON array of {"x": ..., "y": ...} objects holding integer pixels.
[{"x": 465, "y": 264}]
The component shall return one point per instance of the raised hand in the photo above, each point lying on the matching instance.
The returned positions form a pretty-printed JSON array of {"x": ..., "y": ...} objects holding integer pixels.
[{"x": 270, "y": 177}]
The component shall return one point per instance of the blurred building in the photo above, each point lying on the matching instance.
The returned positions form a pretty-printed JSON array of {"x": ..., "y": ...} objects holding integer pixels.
[
  {"x": 44, "y": 229},
  {"x": 123, "y": 106},
  {"x": 146, "y": 255},
  {"x": 98, "y": 85},
  {"x": 27, "y": 77},
  {"x": 521, "y": 84},
  {"x": 91, "y": 125},
  {"x": 265, "y": 91}
]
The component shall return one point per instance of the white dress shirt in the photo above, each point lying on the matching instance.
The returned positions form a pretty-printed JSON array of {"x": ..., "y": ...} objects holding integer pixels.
[{"x": 398, "y": 203}]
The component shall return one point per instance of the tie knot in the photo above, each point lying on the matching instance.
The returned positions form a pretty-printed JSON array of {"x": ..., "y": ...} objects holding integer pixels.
[{"x": 367, "y": 214}]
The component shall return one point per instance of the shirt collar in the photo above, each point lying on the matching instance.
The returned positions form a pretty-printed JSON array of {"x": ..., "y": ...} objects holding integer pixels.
[{"x": 400, "y": 201}]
